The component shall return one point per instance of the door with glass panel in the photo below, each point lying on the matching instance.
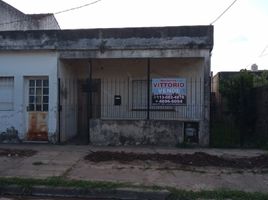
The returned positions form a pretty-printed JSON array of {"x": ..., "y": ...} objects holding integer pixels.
[{"x": 37, "y": 109}]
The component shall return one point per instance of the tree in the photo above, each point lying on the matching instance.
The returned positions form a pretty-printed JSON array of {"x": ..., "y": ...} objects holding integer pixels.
[
  {"x": 240, "y": 101},
  {"x": 260, "y": 80}
]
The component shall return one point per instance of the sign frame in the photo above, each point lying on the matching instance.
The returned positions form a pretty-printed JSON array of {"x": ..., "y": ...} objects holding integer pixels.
[{"x": 169, "y": 92}]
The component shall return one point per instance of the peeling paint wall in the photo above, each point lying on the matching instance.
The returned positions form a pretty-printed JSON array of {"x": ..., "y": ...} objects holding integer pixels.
[
  {"x": 10, "y": 136},
  {"x": 136, "y": 132},
  {"x": 9, "y": 14},
  {"x": 22, "y": 65},
  {"x": 143, "y": 42}
]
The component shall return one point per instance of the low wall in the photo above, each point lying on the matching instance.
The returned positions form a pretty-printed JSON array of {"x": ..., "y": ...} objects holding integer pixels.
[{"x": 135, "y": 132}]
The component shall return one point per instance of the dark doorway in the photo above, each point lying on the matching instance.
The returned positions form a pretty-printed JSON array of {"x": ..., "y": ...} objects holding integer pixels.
[
  {"x": 82, "y": 115},
  {"x": 83, "y": 103},
  {"x": 96, "y": 98}
]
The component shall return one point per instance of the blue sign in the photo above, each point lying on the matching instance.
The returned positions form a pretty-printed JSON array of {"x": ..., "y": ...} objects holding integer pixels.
[{"x": 169, "y": 91}]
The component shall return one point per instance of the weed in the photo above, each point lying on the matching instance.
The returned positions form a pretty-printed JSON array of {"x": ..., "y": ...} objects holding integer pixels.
[{"x": 175, "y": 193}]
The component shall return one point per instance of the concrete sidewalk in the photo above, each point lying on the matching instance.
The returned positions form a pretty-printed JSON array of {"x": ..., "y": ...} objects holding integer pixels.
[{"x": 68, "y": 161}]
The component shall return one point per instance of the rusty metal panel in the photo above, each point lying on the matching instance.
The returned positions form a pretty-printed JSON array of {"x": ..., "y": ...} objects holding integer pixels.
[{"x": 37, "y": 128}]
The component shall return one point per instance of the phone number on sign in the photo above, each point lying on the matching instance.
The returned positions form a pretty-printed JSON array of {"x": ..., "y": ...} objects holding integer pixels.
[{"x": 174, "y": 101}]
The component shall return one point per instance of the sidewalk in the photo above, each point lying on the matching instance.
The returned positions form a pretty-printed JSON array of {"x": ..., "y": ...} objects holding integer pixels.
[{"x": 68, "y": 161}]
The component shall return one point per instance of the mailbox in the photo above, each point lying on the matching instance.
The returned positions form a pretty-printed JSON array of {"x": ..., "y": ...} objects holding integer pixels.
[
  {"x": 117, "y": 100},
  {"x": 191, "y": 132}
]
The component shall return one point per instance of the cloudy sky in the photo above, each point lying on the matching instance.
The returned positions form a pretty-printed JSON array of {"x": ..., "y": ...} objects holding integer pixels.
[{"x": 240, "y": 35}]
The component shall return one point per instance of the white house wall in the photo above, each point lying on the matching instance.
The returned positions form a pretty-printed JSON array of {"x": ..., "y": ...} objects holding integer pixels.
[{"x": 22, "y": 65}]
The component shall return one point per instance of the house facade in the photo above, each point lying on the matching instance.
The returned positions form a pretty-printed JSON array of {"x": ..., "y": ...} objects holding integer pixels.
[
  {"x": 125, "y": 86},
  {"x": 13, "y": 19}
]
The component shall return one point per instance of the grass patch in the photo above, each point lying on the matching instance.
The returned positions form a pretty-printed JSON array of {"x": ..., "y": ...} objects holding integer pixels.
[
  {"x": 58, "y": 182},
  {"x": 175, "y": 193}
]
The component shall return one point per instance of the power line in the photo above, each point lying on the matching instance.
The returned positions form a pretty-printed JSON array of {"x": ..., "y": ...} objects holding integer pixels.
[
  {"x": 262, "y": 54},
  {"x": 223, "y": 12},
  {"x": 263, "y": 51},
  {"x": 28, "y": 18},
  {"x": 75, "y": 8}
]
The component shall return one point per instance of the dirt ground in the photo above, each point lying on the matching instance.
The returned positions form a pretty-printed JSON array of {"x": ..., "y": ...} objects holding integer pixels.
[
  {"x": 17, "y": 152},
  {"x": 186, "y": 169},
  {"x": 195, "y": 159}
]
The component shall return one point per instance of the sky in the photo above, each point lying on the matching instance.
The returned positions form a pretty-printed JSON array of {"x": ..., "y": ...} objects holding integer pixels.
[{"x": 240, "y": 35}]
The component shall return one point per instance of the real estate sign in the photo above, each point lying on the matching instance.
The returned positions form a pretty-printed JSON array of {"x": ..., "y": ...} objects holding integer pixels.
[{"x": 169, "y": 91}]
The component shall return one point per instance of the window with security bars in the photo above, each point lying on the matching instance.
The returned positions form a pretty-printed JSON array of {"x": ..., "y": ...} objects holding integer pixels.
[
  {"x": 139, "y": 94},
  {"x": 38, "y": 95}
]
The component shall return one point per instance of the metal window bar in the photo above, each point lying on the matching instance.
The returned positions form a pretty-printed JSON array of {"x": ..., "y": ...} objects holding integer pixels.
[{"x": 134, "y": 101}]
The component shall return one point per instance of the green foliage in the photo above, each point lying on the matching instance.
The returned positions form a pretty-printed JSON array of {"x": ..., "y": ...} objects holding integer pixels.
[
  {"x": 58, "y": 182},
  {"x": 240, "y": 101},
  {"x": 224, "y": 135},
  {"x": 176, "y": 194},
  {"x": 260, "y": 80},
  {"x": 237, "y": 91},
  {"x": 236, "y": 125},
  {"x": 217, "y": 195}
]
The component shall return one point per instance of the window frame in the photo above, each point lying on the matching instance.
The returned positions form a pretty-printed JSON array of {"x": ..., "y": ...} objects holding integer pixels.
[
  {"x": 38, "y": 94},
  {"x": 12, "y": 87}
]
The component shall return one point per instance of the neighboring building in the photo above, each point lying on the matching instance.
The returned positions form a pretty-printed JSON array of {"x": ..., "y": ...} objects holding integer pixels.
[
  {"x": 253, "y": 104},
  {"x": 13, "y": 19},
  {"x": 109, "y": 86},
  {"x": 219, "y": 104}
]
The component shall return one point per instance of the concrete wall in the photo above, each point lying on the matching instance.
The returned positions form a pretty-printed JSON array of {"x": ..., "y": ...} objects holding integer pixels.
[
  {"x": 45, "y": 22},
  {"x": 19, "y": 20},
  {"x": 21, "y": 66},
  {"x": 151, "y": 42},
  {"x": 136, "y": 132},
  {"x": 13, "y": 19}
]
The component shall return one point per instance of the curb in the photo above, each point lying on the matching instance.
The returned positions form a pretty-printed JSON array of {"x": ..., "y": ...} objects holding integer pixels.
[{"x": 120, "y": 193}]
